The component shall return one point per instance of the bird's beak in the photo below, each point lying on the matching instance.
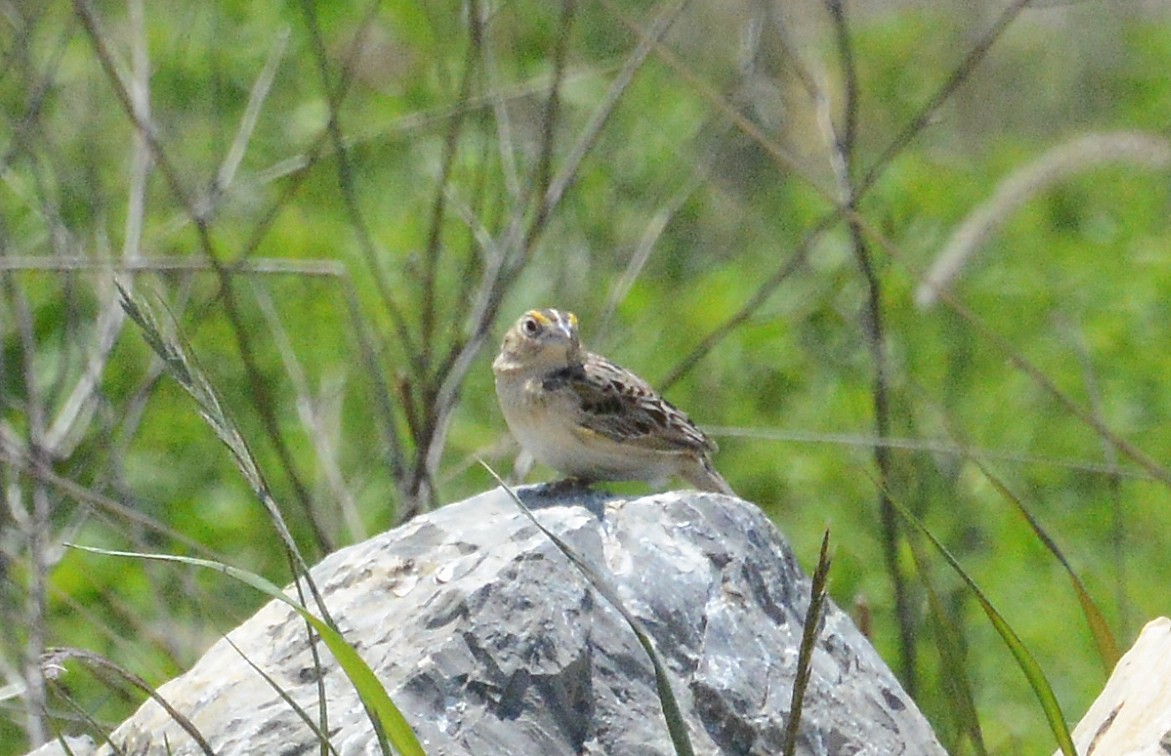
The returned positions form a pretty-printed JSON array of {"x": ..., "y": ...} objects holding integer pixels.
[{"x": 567, "y": 324}]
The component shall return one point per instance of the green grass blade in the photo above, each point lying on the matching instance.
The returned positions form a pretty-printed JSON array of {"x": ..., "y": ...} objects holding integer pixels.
[
  {"x": 184, "y": 369},
  {"x": 1108, "y": 650},
  {"x": 949, "y": 642},
  {"x": 365, "y": 682},
  {"x": 1024, "y": 658}
]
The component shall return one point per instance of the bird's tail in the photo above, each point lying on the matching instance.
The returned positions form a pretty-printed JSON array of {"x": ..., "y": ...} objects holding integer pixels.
[{"x": 705, "y": 477}]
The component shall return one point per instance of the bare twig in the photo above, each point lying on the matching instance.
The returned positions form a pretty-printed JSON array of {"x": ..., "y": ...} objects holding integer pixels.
[
  {"x": 434, "y": 249},
  {"x": 335, "y": 95},
  {"x": 784, "y": 159},
  {"x": 70, "y": 422},
  {"x": 779, "y": 154},
  {"x": 75, "y": 414},
  {"x": 520, "y": 237},
  {"x": 646, "y": 245},
  {"x": 254, "y": 266},
  {"x": 650, "y": 40},
  {"x": 310, "y": 413},
  {"x": 31, "y": 512},
  {"x": 1113, "y": 481},
  {"x": 928, "y": 446},
  {"x": 198, "y": 215},
  {"x": 260, "y": 89},
  {"x": 788, "y": 267},
  {"x": 55, "y": 659},
  {"x": 1022, "y": 363},
  {"x": 499, "y": 272},
  {"x": 958, "y": 76},
  {"x": 874, "y": 332},
  {"x": 478, "y": 17}
]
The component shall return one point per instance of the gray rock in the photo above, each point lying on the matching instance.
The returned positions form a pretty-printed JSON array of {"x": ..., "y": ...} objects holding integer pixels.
[{"x": 491, "y": 642}]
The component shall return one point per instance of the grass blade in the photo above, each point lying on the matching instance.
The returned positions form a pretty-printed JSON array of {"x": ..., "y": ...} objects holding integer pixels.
[
  {"x": 58, "y": 656},
  {"x": 676, "y": 727},
  {"x": 365, "y": 682},
  {"x": 813, "y": 618},
  {"x": 322, "y": 738},
  {"x": 1107, "y": 647},
  {"x": 1024, "y": 658},
  {"x": 182, "y": 367},
  {"x": 949, "y": 642}
]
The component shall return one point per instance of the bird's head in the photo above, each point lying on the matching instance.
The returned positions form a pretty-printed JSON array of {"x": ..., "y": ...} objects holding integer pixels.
[{"x": 541, "y": 339}]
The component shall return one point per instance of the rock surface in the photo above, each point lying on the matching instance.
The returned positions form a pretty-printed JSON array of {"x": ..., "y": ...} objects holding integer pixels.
[{"x": 491, "y": 642}]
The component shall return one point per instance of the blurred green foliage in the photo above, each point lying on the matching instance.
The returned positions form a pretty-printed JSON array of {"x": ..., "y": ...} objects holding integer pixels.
[{"x": 1078, "y": 282}]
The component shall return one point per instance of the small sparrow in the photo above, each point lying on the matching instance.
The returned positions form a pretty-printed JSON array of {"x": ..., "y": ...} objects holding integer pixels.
[{"x": 581, "y": 414}]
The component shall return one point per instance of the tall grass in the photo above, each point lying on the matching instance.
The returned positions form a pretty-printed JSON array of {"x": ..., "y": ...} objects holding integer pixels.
[{"x": 339, "y": 203}]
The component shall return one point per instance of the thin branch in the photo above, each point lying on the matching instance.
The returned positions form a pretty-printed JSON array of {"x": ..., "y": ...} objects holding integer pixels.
[
  {"x": 33, "y": 518},
  {"x": 649, "y": 41},
  {"x": 874, "y": 333},
  {"x": 258, "y": 385},
  {"x": 762, "y": 294},
  {"x": 256, "y": 97},
  {"x": 927, "y": 446},
  {"x": 958, "y": 76},
  {"x": 517, "y": 245},
  {"x": 55, "y": 659},
  {"x": 77, "y": 410},
  {"x": 183, "y": 369},
  {"x": 781, "y": 156},
  {"x": 334, "y": 98},
  {"x": 118, "y": 84},
  {"x": 1113, "y": 482},
  {"x": 784, "y": 159},
  {"x": 1022, "y": 363},
  {"x": 499, "y": 273},
  {"x": 43, "y": 474},
  {"x": 254, "y": 266},
  {"x": 651, "y": 234},
  {"x": 310, "y": 414},
  {"x": 478, "y": 18},
  {"x": 434, "y": 248},
  {"x": 850, "y": 95}
]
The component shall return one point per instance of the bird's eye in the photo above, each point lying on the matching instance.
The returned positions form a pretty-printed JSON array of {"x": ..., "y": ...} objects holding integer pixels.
[{"x": 530, "y": 326}]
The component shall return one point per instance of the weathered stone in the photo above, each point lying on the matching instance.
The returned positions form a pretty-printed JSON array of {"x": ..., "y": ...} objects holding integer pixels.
[
  {"x": 491, "y": 642},
  {"x": 1132, "y": 715}
]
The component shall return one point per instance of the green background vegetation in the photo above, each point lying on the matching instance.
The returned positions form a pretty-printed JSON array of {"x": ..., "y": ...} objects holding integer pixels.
[{"x": 344, "y": 290}]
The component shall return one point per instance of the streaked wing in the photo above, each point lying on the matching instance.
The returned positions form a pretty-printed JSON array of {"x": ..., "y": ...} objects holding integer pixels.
[{"x": 624, "y": 408}]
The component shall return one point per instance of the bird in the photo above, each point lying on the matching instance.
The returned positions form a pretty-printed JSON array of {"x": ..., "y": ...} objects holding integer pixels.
[{"x": 591, "y": 419}]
